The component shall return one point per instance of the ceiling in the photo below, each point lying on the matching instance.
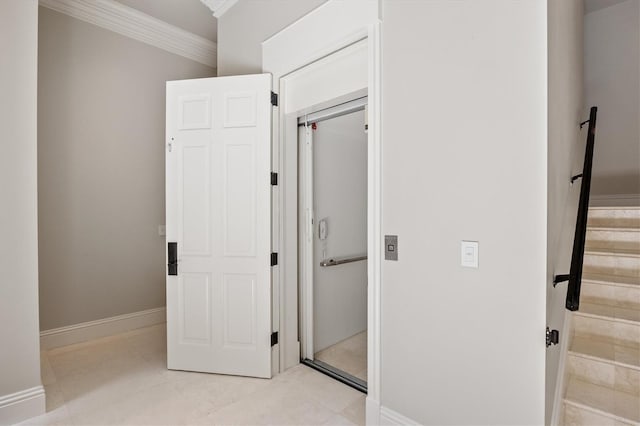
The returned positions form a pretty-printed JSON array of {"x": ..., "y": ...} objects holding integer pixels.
[
  {"x": 190, "y": 15},
  {"x": 593, "y": 5}
]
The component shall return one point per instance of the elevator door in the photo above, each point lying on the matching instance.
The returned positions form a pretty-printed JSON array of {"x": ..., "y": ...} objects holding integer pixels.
[{"x": 337, "y": 155}]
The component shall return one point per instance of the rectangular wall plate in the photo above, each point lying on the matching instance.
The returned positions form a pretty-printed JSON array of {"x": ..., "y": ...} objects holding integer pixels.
[{"x": 391, "y": 247}]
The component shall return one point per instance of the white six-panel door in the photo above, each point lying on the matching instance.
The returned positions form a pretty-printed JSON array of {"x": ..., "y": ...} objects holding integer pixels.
[{"x": 218, "y": 206}]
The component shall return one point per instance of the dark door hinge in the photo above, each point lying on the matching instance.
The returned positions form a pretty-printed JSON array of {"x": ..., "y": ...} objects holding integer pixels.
[
  {"x": 274, "y": 338},
  {"x": 274, "y": 178},
  {"x": 274, "y": 259},
  {"x": 553, "y": 337},
  {"x": 274, "y": 99}
]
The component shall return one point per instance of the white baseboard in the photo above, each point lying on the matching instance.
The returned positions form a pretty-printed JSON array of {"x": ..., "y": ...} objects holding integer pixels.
[
  {"x": 619, "y": 200},
  {"x": 377, "y": 415},
  {"x": 372, "y": 412},
  {"x": 100, "y": 328},
  {"x": 22, "y": 405},
  {"x": 388, "y": 417}
]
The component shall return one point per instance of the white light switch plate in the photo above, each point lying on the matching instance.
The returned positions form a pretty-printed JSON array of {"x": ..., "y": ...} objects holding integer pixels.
[
  {"x": 469, "y": 254},
  {"x": 162, "y": 230}
]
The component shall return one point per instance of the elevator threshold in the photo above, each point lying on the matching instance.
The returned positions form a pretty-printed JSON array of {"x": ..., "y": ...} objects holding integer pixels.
[{"x": 337, "y": 374}]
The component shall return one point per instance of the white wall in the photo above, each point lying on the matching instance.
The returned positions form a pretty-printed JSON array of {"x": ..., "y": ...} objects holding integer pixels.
[
  {"x": 340, "y": 191},
  {"x": 612, "y": 82},
  {"x": 243, "y": 28},
  {"x": 20, "y": 347},
  {"x": 565, "y": 157},
  {"x": 101, "y": 170},
  {"x": 465, "y": 158}
]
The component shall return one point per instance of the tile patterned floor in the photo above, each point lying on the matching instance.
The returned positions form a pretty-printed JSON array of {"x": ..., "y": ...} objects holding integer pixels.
[
  {"x": 350, "y": 355},
  {"x": 123, "y": 380}
]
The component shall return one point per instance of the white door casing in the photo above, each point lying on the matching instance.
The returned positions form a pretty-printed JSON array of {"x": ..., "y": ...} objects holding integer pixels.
[
  {"x": 331, "y": 27},
  {"x": 218, "y": 211},
  {"x": 306, "y": 242},
  {"x": 305, "y": 91}
]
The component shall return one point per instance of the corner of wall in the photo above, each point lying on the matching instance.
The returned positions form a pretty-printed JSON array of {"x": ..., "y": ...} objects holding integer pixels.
[
  {"x": 21, "y": 392},
  {"x": 565, "y": 149}
]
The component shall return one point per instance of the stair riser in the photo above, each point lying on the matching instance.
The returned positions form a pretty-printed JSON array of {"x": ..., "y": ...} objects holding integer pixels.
[
  {"x": 620, "y": 239},
  {"x": 612, "y": 295},
  {"x": 628, "y": 266},
  {"x": 628, "y": 218},
  {"x": 617, "y": 377},
  {"x": 604, "y": 329},
  {"x": 576, "y": 416},
  {"x": 598, "y": 222}
]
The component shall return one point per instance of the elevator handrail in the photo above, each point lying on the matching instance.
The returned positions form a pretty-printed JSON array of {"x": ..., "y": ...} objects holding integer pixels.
[{"x": 342, "y": 260}]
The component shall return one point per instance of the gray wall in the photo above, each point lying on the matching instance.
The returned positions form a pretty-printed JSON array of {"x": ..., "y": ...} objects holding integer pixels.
[
  {"x": 465, "y": 158},
  {"x": 612, "y": 82},
  {"x": 340, "y": 191},
  {"x": 566, "y": 153},
  {"x": 243, "y": 28},
  {"x": 20, "y": 347},
  {"x": 101, "y": 170}
]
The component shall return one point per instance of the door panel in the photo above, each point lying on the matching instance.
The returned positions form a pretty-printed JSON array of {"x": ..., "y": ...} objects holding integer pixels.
[
  {"x": 195, "y": 112},
  {"x": 240, "y": 199},
  {"x": 195, "y": 322},
  {"x": 239, "y": 310},
  {"x": 219, "y": 213},
  {"x": 196, "y": 190},
  {"x": 240, "y": 109}
]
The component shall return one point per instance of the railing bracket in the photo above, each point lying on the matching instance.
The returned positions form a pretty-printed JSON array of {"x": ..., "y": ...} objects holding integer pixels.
[
  {"x": 575, "y": 178},
  {"x": 560, "y": 279}
]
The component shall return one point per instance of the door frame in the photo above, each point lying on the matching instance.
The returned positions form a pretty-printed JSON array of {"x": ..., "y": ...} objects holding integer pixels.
[
  {"x": 306, "y": 249},
  {"x": 328, "y": 29}
]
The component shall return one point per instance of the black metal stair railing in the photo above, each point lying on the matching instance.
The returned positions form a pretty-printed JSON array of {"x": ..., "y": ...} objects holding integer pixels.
[{"x": 577, "y": 256}]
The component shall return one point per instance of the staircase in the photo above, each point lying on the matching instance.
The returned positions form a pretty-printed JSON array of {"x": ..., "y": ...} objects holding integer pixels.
[{"x": 603, "y": 360}]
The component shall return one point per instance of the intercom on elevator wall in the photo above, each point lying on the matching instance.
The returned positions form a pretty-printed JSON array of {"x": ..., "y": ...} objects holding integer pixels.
[{"x": 323, "y": 229}]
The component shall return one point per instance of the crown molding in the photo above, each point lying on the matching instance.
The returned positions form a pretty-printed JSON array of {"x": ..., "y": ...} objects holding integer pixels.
[
  {"x": 219, "y": 7},
  {"x": 132, "y": 23}
]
